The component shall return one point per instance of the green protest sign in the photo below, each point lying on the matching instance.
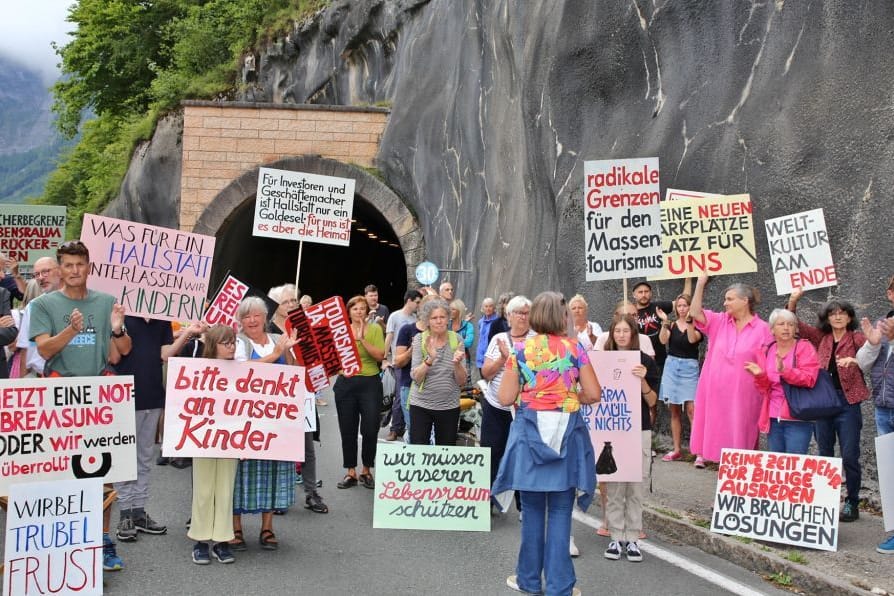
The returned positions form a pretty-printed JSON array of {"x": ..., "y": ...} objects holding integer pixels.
[{"x": 431, "y": 487}]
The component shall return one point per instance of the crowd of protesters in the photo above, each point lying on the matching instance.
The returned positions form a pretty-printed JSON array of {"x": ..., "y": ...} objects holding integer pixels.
[{"x": 726, "y": 370}]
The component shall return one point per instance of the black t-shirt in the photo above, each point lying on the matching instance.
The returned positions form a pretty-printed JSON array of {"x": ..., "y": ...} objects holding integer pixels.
[
  {"x": 678, "y": 345},
  {"x": 405, "y": 338},
  {"x": 144, "y": 360},
  {"x": 649, "y": 324},
  {"x": 501, "y": 325},
  {"x": 653, "y": 378}
]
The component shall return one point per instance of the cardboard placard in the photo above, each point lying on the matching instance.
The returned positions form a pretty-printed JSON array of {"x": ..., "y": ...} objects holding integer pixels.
[
  {"x": 800, "y": 252},
  {"x": 222, "y": 308},
  {"x": 884, "y": 457},
  {"x": 153, "y": 272},
  {"x": 674, "y": 194},
  {"x": 713, "y": 235},
  {"x": 622, "y": 218},
  {"x": 617, "y": 418},
  {"x": 778, "y": 497},
  {"x": 64, "y": 428},
  {"x": 326, "y": 343},
  {"x": 29, "y": 232},
  {"x": 230, "y": 409},
  {"x": 300, "y": 206},
  {"x": 54, "y": 538},
  {"x": 430, "y": 487}
]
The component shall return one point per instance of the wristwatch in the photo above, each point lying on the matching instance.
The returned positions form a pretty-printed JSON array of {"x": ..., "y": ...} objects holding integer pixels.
[
  {"x": 428, "y": 361},
  {"x": 121, "y": 333}
]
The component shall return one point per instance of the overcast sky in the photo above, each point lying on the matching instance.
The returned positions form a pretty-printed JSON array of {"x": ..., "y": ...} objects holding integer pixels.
[{"x": 28, "y": 27}]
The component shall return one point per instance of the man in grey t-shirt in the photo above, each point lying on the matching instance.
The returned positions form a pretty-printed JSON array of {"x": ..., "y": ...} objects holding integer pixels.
[{"x": 406, "y": 315}]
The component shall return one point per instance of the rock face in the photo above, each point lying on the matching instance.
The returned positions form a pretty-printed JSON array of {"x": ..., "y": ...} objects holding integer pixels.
[{"x": 496, "y": 105}]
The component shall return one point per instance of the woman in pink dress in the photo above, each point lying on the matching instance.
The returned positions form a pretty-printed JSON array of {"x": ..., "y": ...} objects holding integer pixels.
[{"x": 727, "y": 403}]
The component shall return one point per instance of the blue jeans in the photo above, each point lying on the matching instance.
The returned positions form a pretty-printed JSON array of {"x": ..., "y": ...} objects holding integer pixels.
[
  {"x": 884, "y": 420},
  {"x": 405, "y": 407},
  {"x": 846, "y": 427},
  {"x": 789, "y": 436},
  {"x": 545, "y": 533}
]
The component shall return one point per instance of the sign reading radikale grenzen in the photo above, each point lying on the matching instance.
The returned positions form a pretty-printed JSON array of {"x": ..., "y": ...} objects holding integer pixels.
[
  {"x": 67, "y": 427},
  {"x": 54, "y": 538},
  {"x": 778, "y": 497},
  {"x": 432, "y": 487},
  {"x": 622, "y": 218},
  {"x": 153, "y": 272},
  {"x": 299, "y": 206},
  {"x": 29, "y": 232}
]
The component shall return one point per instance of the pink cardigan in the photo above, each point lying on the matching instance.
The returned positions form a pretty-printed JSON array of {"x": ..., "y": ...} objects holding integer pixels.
[{"x": 804, "y": 375}]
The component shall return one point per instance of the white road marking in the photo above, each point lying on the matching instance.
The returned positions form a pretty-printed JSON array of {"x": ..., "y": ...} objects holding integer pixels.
[{"x": 697, "y": 569}]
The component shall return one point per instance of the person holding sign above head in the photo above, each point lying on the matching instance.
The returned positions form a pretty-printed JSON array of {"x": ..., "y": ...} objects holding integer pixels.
[
  {"x": 212, "y": 478},
  {"x": 79, "y": 332},
  {"x": 624, "y": 500},
  {"x": 727, "y": 402},
  {"x": 358, "y": 398},
  {"x": 262, "y": 486},
  {"x": 438, "y": 371},
  {"x": 679, "y": 378},
  {"x": 838, "y": 341},
  {"x": 549, "y": 456},
  {"x": 794, "y": 362}
]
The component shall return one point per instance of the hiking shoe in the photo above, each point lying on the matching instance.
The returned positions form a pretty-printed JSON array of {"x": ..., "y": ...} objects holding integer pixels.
[
  {"x": 886, "y": 547},
  {"x": 633, "y": 552},
  {"x": 148, "y": 525},
  {"x": 200, "y": 554},
  {"x": 222, "y": 553},
  {"x": 110, "y": 559},
  {"x": 315, "y": 503},
  {"x": 613, "y": 551},
  {"x": 572, "y": 548},
  {"x": 849, "y": 512},
  {"x": 126, "y": 531}
]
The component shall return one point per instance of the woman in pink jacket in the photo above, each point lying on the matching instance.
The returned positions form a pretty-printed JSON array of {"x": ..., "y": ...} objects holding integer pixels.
[{"x": 795, "y": 362}]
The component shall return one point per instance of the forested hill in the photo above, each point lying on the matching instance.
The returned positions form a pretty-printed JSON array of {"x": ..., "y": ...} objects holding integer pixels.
[{"x": 29, "y": 145}]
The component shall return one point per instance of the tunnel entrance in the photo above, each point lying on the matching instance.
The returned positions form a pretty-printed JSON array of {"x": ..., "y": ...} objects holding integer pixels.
[{"x": 384, "y": 247}]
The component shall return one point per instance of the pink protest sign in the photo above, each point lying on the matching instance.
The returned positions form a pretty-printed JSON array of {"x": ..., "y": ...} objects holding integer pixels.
[
  {"x": 225, "y": 408},
  {"x": 617, "y": 418},
  {"x": 152, "y": 271},
  {"x": 222, "y": 308}
]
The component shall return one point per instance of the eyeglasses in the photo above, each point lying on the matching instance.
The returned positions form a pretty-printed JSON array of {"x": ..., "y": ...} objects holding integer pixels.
[
  {"x": 521, "y": 313},
  {"x": 228, "y": 344},
  {"x": 42, "y": 273},
  {"x": 290, "y": 301}
]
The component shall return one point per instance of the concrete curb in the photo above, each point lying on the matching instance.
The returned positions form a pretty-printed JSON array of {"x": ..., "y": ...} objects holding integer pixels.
[{"x": 745, "y": 555}]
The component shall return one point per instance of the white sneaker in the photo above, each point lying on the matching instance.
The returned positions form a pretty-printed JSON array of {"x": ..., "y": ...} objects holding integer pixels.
[
  {"x": 613, "y": 552},
  {"x": 633, "y": 552},
  {"x": 572, "y": 548}
]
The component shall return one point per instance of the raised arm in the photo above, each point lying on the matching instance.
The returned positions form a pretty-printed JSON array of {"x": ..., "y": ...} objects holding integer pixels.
[{"x": 698, "y": 295}]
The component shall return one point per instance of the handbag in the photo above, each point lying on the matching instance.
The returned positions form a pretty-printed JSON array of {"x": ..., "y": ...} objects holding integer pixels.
[
  {"x": 813, "y": 403},
  {"x": 605, "y": 464}
]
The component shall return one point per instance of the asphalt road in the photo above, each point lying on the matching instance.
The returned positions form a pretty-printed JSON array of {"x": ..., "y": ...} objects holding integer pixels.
[{"x": 340, "y": 552}]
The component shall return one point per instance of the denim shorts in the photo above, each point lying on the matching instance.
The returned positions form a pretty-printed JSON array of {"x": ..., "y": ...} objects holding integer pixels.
[{"x": 679, "y": 380}]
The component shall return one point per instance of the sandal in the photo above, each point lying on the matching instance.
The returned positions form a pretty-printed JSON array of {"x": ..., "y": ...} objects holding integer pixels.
[
  {"x": 603, "y": 531},
  {"x": 672, "y": 456},
  {"x": 347, "y": 482},
  {"x": 699, "y": 463},
  {"x": 367, "y": 480},
  {"x": 238, "y": 541},
  {"x": 315, "y": 503},
  {"x": 267, "y": 540}
]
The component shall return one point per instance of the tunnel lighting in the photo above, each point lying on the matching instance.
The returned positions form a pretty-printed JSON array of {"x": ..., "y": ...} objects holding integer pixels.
[
  {"x": 361, "y": 229},
  {"x": 371, "y": 235}
]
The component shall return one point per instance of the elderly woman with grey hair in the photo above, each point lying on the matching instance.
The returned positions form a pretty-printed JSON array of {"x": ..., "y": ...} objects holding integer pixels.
[
  {"x": 438, "y": 371},
  {"x": 262, "y": 486},
  {"x": 795, "y": 362},
  {"x": 286, "y": 296}
]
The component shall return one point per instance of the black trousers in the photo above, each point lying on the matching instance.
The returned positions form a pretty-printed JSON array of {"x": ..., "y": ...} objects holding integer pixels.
[
  {"x": 445, "y": 423},
  {"x": 357, "y": 401}
]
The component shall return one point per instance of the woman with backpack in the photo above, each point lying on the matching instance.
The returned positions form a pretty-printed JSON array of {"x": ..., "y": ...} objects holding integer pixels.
[{"x": 438, "y": 371}]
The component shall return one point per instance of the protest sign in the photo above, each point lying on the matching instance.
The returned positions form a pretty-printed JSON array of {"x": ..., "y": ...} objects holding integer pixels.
[
  {"x": 884, "y": 454},
  {"x": 616, "y": 419},
  {"x": 326, "y": 343},
  {"x": 432, "y": 487},
  {"x": 231, "y": 409},
  {"x": 222, "y": 308},
  {"x": 800, "y": 252},
  {"x": 29, "y": 232},
  {"x": 622, "y": 218},
  {"x": 153, "y": 272},
  {"x": 673, "y": 194},
  {"x": 300, "y": 206},
  {"x": 778, "y": 497},
  {"x": 712, "y": 235},
  {"x": 67, "y": 427},
  {"x": 54, "y": 538},
  {"x": 310, "y": 412}
]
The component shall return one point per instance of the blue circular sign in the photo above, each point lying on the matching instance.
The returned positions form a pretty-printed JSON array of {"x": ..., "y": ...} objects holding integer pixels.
[{"x": 427, "y": 273}]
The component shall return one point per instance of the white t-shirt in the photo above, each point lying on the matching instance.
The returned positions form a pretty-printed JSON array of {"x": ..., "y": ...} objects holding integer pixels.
[
  {"x": 493, "y": 353},
  {"x": 584, "y": 336},
  {"x": 33, "y": 360}
]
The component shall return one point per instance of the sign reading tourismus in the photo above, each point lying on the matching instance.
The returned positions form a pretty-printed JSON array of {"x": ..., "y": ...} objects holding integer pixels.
[
  {"x": 299, "y": 206},
  {"x": 622, "y": 218}
]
